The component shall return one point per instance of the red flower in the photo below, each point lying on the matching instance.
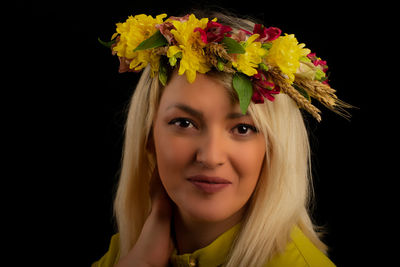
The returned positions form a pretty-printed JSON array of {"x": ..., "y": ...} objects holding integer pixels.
[
  {"x": 321, "y": 63},
  {"x": 312, "y": 56},
  {"x": 262, "y": 88},
  {"x": 318, "y": 61},
  {"x": 203, "y": 34},
  {"x": 266, "y": 34},
  {"x": 273, "y": 33},
  {"x": 214, "y": 32}
]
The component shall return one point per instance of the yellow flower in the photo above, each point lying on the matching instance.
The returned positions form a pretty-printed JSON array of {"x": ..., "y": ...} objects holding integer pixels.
[
  {"x": 190, "y": 46},
  {"x": 286, "y": 53},
  {"x": 248, "y": 62},
  {"x": 131, "y": 33}
]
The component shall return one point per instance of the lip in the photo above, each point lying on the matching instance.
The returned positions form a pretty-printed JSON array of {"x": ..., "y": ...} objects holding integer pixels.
[{"x": 208, "y": 184}]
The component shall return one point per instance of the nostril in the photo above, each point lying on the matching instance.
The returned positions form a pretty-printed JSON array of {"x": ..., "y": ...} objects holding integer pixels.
[
  {"x": 209, "y": 160},
  {"x": 211, "y": 149}
]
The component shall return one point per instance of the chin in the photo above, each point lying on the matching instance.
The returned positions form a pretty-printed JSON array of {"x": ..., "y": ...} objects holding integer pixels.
[
  {"x": 208, "y": 212},
  {"x": 208, "y": 217}
]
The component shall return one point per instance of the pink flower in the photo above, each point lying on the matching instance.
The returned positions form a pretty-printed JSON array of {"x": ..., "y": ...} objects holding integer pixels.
[
  {"x": 165, "y": 29},
  {"x": 262, "y": 88},
  {"x": 124, "y": 65},
  {"x": 266, "y": 34},
  {"x": 214, "y": 32},
  {"x": 181, "y": 19},
  {"x": 241, "y": 35}
]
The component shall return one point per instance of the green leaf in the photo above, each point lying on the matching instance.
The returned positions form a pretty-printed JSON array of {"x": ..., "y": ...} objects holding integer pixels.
[
  {"x": 163, "y": 72},
  {"x": 244, "y": 88},
  {"x": 220, "y": 65},
  {"x": 106, "y": 44},
  {"x": 319, "y": 75},
  {"x": 266, "y": 46},
  {"x": 233, "y": 47},
  {"x": 174, "y": 59},
  {"x": 263, "y": 67},
  {"x": 302, "y": 91},
  {"x": 154, "y": 41},
  {"x": 323, "y": 79},
  {"x": 305, "y": 59}
]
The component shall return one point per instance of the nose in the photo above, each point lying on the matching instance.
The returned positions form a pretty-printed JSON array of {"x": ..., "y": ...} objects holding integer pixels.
[{"x": 212, "y": 149}]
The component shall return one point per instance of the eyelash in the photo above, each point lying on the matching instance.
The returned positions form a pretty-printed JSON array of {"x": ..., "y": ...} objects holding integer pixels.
[
  {"x": 248, "y": 126},
  {"x": 180, "y": 120},
  {"x": 178, "y": 123}
]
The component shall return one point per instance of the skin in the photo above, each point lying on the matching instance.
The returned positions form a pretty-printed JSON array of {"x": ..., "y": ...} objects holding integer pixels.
[
  {"x": 198, "y": 131},
  {"x": 154, "y": 245}
]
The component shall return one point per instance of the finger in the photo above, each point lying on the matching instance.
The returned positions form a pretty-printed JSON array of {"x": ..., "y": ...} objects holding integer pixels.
[
  {"x": 156, "y": 186},
  {"x": 160, "y": 201}
]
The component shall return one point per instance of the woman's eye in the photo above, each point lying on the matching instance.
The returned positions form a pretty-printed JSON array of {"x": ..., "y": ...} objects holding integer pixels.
[
  {"x": 181, "y": 122},
  {"x": 245, "y": 129}
]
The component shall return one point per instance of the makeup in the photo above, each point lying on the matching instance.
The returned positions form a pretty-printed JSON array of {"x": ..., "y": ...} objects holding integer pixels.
[{"x": 209, "y": 185}]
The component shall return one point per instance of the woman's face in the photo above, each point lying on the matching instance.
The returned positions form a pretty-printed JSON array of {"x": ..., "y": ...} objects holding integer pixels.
[{"x": 209, "y": 155}]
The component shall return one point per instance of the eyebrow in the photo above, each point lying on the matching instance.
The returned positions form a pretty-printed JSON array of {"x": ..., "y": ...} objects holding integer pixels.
[{"x": 198, "y": 114}]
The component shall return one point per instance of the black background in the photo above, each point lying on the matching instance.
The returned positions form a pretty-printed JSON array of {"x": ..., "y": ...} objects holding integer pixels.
[{"x": 66, "y": 114}]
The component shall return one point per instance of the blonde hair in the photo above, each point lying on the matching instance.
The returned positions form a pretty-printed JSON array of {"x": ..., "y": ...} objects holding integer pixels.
[{"x": 282, "y": 195}]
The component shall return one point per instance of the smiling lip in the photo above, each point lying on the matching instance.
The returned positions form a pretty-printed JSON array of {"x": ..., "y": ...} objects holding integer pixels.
[{"x": 209, "y": 184}]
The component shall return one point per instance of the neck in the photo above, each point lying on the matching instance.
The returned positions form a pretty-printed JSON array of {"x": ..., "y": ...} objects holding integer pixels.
[{"x": 192, "y": 234}]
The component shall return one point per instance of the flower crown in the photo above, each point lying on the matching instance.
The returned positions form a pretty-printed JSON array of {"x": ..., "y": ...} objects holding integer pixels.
[{"x": 263, "y": 62}]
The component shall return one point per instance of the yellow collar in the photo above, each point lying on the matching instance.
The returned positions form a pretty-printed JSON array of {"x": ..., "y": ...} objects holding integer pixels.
[{"x": 213, "y": 255}]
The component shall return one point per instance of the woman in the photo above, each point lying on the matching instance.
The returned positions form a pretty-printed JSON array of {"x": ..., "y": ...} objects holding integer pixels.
[{"x": 228, "y": 173}]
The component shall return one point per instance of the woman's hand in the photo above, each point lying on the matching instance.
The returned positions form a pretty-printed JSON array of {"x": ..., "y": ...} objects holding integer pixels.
[{"x": 154, "y": 246}]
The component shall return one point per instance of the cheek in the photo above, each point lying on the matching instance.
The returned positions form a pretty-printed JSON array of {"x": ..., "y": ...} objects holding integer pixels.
[
  {"x": 248, "y": 165},
  {"x": 173, "y": 154}
]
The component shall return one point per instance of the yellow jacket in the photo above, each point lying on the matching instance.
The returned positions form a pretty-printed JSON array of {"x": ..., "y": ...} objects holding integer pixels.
[{"x": 298, "y": 253}]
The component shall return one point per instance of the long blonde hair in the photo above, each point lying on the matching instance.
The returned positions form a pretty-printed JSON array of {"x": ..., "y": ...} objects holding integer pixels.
[{"x": 283, "y": 192}]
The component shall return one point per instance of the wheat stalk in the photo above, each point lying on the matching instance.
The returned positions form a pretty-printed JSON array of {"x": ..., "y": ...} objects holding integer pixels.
[
  {"x": 324, "y": 94},
  {"x": 216, "y": 54},
  {"x": 219, "y": 50},
  {"x": 286, "y": 88},
  {"x": 162, "y": 50}
]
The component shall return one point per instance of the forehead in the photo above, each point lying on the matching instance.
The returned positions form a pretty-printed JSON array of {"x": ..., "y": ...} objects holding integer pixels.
[{"x": 205, "y": 93}]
